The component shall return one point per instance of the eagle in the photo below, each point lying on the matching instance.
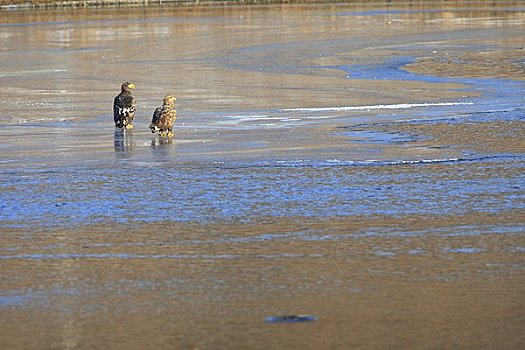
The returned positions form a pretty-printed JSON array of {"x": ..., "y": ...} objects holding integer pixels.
[
  {"x": 124, "y": 107},
  {"x": 164, "y": 117}
]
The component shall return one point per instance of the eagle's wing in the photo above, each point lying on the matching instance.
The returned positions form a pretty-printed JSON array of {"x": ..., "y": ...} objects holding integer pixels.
[
  {"x": 154, "y": 126},
  {"x": 117, "y": 109},
  {"x": 167, "y": 117},
  {"x": 156, "y": 116}
]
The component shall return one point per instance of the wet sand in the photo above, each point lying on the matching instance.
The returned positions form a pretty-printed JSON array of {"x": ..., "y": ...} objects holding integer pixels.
[{"x": 362, "y": 164}]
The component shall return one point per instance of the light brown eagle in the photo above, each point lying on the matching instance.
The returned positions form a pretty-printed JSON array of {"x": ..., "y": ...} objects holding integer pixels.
[{"x": 164, "y": 117}]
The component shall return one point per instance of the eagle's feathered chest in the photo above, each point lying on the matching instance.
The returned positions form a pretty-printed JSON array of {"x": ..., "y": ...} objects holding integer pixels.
[
  {"x": 124, "y": 105},
  {"x": 165, "y": 116}
]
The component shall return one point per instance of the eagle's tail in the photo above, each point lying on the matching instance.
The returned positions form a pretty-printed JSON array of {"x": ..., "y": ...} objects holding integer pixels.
[{"x": 154, "y": 128}]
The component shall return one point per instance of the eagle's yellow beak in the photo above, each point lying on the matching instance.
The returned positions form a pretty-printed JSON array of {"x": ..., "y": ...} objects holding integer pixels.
[{"x": 131, "y": 86}]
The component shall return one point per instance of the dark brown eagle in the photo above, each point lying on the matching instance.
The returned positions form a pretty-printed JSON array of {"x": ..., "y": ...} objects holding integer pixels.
[
  {"x": 164, "y": 117},
  {"x": 124, "y": 107}
]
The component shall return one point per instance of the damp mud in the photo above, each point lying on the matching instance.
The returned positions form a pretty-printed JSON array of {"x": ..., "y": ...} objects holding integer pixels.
[{"x": 341, "y": 177}]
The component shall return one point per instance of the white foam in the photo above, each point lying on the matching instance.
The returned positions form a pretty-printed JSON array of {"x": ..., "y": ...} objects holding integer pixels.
[
  {"x": 248, "y": 118},
  {"x": 367, "y": 162},
  {"x": 402, "y": 162},
  {"x": 146, "y": 164},
  {"x": 444, "y": 160},
  {"x": 28, "y": 72},
  {"x": 375, "y": 107}
]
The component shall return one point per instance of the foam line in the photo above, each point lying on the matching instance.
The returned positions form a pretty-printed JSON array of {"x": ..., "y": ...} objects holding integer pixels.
[{"x": 360, "y": 108}]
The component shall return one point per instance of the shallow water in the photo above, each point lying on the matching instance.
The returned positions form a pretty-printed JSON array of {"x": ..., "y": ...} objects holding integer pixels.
[{"x": 330, "y": 164}]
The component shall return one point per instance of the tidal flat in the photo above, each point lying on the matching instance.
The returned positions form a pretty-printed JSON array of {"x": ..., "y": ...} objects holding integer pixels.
[{"x": 355, "y": 170}]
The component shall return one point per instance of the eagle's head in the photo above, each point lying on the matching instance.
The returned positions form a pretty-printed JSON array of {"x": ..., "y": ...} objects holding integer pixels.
[
  {"x": 169, "y": 100},
  {"x": 126, "y": 87}
]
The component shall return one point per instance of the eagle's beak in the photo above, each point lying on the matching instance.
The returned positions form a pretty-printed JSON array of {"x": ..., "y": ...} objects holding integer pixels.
[{"x": 131, "y": 86}]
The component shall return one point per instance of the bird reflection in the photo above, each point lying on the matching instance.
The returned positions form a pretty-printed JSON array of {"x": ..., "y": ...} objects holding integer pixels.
[
  {"x": 162, "y": 148},
  {"x": 157, "y": 142},
  {"x": 123, "y": 142}
]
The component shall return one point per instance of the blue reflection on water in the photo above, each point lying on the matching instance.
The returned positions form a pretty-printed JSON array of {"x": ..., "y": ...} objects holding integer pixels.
[
  {"x": 126, "y": 193},
  {"x": 464, "y": 250},
  {"x": 496, "y": 94},
  {"x": 389, "y": 70},
  {"x": 18, "y": 298}
]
